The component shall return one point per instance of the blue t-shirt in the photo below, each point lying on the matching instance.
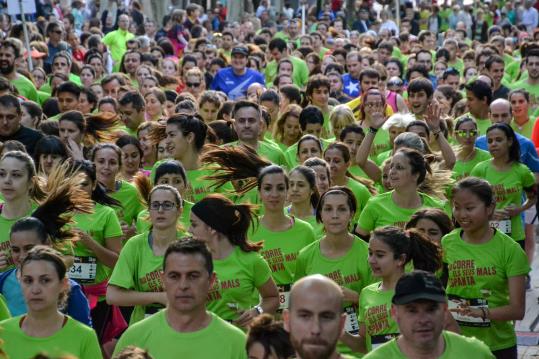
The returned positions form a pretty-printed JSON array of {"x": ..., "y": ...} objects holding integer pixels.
[
  {"x": 528, "y": 153},
  {"x": 350, "y": 86},
  {"x": 233, "y": 85}
]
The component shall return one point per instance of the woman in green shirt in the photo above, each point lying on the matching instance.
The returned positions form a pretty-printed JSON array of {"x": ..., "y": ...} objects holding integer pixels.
[
  {"x": 303, "y": 196},
  {"x": 484, "y": 269},
  {"x": 286, "y": 130},
  {"x": 323, "y": 175},
  {"x": 468, "y": 155},
  {"x": 390, "y": 250},
  {"x": 339, "y": 254},
  {"x": 432, "y": 223},
  {"x": 240, "y": 270},
  {"x": 136, "y": 278},
  {"x": 20, "y": 189},
  {"x": 44, "y": 329},
  {"x": 107, "y": 158}
]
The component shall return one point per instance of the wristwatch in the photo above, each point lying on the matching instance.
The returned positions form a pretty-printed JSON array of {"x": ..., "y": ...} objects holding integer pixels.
[{"x": 259, "y": 309}]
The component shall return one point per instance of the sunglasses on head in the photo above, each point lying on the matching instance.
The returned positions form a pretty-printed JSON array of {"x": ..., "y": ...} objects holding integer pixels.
[{"x": 394, "y": 83}]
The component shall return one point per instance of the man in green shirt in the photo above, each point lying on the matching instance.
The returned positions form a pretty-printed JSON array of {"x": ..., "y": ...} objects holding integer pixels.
[
  {"x": 185, "y": 329},
  {"x": 478, "y": 99},
  {"x": 420, "y": 308},
  {"x": 314, "y": 318},
  {"x": 10, "y": 50},
  {"x": 132, "y": 109},
  {"x": 116, "y": 40},
  {"x": 531, "y": 84},
  {"x": 279, "y": 50}
]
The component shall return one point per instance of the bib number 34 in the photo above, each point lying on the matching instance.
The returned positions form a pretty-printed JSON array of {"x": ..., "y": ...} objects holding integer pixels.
[{"x": 83, "y": 269}]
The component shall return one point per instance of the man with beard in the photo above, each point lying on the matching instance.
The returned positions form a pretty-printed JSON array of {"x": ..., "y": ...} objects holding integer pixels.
[
  {"x": 531, "y": 84},
  {"x": 314, "y": 318},
  {"x": 10, "y": 50},
  {"x": 419, "y": 308},
  {"x": 10, "y": 124}
]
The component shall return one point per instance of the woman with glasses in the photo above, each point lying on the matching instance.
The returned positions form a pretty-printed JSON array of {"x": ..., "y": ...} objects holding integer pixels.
[
  {"x": 136, "y": 279},
  {"x": 468, "y": 155}
]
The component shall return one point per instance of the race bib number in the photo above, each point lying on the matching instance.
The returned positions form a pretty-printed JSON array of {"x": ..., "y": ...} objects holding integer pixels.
[
  {"x": 352, "y": 324},
  {"x": 503, "y": 226},
  {"x": 83, "y": 269},
  {"x": 456, "y": 303},
  {"x": 284, "y": 296},
  {"x": 377, "y": 340}
]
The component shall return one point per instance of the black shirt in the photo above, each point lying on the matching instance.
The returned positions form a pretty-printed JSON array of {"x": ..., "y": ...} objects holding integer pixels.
[
  {"x": 27, "y": 136},
  {"x": 501, "y": 92}
]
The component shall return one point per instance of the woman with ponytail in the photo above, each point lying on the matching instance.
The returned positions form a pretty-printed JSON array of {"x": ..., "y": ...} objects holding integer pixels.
[
  {"x": 136, "y": 278},
  {"x": 240, "y": 270},
  {"x": 408, "y": 169},
  {"x": 47, "y": 226},
  {"x": 339, "y": 255},
  {"x": 303, "y": 196},
  {"x": 390, "y": 250},
  {"x": 20, "y": 190},
  {"x": 79, "y": 132},
  {"x": 107, "y": 159},
  {"x": 96, "y": 251},
  {"x": 283, "y": 236},
  {"x": 45, "y": 328}
]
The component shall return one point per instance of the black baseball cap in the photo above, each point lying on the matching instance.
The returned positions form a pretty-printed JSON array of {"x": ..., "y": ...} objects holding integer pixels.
[
  {"x": 418, "y": 285},
  {"x": 241, "y": 50}
]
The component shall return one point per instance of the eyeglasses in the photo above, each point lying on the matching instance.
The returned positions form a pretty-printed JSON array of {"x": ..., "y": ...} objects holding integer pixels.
[
  {"x": 167, "y": 206},
  {"x": 59, "y": 32},
  {"x": 374, "y": 104},
  {"x": 466, "y": 133},
  {"x": 192, "y": 84}
]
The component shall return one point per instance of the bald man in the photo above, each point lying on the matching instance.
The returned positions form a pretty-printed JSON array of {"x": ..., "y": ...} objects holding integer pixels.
[{"x": 314, "y": 317}]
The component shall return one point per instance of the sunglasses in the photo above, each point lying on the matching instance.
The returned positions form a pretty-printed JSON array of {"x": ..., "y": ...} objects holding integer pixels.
[
  {"x": 192, "y": 84},
  {"x": 466, "y": 133},
  {"x": 59, "y": 32}
]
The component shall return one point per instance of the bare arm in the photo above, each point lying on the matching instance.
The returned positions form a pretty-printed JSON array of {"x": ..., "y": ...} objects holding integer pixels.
[{"x": 128, "y": 297}]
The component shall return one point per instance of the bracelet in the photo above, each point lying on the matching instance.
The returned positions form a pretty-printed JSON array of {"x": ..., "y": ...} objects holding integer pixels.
[
  {"x": 258, "y": 309},
  {"x": 484, "y": 316},
  {"x": 437, "y": 134},
  {"x": 373, "y": 130}
]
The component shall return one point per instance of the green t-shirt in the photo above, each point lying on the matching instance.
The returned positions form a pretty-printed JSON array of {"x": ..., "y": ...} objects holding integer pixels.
[
  {"x": 281, "y": 250},
  {"x": 300, "y": 72},
  {"x": 154, "y": 334},
  {"x": 116, "y": 42},
  {"x": 381, "y": 211},
  {"x": 143, "y": 220},
  {"x": 464, "y": 168},
  {"x": 508, "y": 187},
  {"x": 73, "y": 338},
  {"x": 268, "y": 151},
  {"x": 101, "y": 224},
  {"x": 456, "y": 346},
  {"x": 25, "y": 87},
  {"x": 198, "y": 188},
  {"x": 351, "y": 271},
  {"x": 458, "y": 64},
  {"x": 139, "y": 269},
  {"x": 375, "y": 314},
  {"x": 5, "y": 228},
  {"x": 237, "y": 277},
  {"x": 362, "y": 194},
  {"x": 478, "y": 274},
  {"x": 127, "y": 195},
  {"x": 525, "y": 130}
]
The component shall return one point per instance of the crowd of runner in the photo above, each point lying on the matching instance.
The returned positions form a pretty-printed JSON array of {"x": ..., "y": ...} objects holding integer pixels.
[{"x": 293, "y": 184}]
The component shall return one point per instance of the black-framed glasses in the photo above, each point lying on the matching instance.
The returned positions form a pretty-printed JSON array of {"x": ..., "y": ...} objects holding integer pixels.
[{"x": 166, "y": 205}]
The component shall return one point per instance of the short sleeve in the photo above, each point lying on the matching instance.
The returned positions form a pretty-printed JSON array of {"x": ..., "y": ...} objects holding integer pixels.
[
  {"x": 122, "y": 274},
  {"x": 528, "y": 178},
  {"x": 517, "y": 261},
  {"x": 112, "y": 226},
  {"x": 261, "y": 271},
  {"x": 300, "y": 265},
  {"x": 478, "y": 170},
  {"x": 366, "y": 219}
]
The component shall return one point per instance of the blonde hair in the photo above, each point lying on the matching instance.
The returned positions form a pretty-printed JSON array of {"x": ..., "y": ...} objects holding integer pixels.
[
  {"x": 341, "y": 115},
  {"x": 278, "y": 129}
]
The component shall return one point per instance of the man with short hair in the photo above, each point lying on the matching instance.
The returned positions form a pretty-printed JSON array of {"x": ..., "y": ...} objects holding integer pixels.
[
  {"x": 531, "y": 84},
  {"x": 248, "y": 126},
  {"x": 419, "y": 308},
  {"x": 236, "y": 79},
  {"x": 116, "y": 40},
  {"x": 451, "y": 77},
  {"x": 10, "y": 50},
  {"x": 495, "y": 67},
  {"x": 350, "y": 79},
  {"x": 478, "y": 99},
  {"x": 424, "y": 58},
  {"x": 67, "y": 94},
  {"x": 314, "y": 318},
  {"x": 185, "y": 329},
  {"x": 132, "y": 111},
  {"x": 10, "y": 124},
  {"x": 279, "y": 50},
  {"x": 111, "y": 84},
  {"x": 420, "y": 93}
]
